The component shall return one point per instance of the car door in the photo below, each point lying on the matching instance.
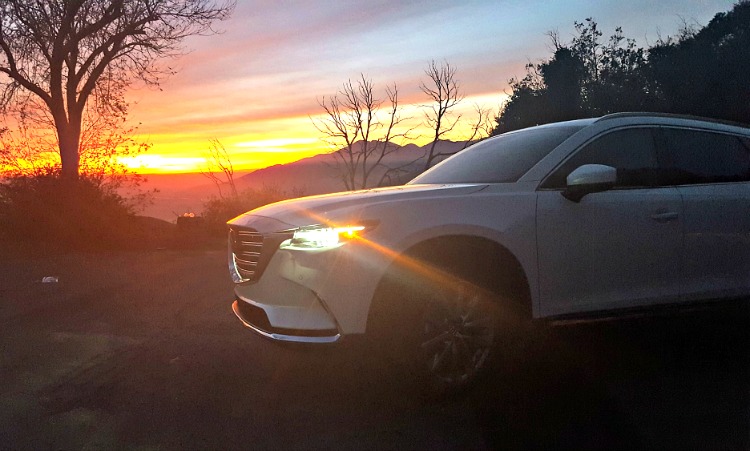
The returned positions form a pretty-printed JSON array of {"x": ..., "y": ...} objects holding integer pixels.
[
  {"x": 712, "y": 172},
  {"x": 613, "y": 249}
]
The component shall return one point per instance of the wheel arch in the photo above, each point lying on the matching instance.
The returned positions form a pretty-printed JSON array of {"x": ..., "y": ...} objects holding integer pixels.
[{"x": 480, "y": 260}]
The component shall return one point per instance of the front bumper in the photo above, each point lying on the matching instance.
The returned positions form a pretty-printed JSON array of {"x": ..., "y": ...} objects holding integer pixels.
[
  {"x": 279, "y": 306},
  {"x": 303, "y": 295},
  {"x": 255, "y": 318}
]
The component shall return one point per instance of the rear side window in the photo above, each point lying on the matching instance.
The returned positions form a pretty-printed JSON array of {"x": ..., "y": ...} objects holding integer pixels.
[
  {"x": 631, "y": 151},
  {"x": 693, "y": 156}
]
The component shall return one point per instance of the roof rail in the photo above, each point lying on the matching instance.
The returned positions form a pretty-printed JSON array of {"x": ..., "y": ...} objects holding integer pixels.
[{"x": 672, "y": 115}]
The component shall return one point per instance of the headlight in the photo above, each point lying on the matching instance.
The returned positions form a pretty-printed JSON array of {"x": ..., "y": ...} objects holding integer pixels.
[{"x": 320, "y": 237}]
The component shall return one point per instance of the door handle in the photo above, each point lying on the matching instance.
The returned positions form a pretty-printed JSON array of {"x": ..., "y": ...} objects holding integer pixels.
[{"x": 664, "y": 217}]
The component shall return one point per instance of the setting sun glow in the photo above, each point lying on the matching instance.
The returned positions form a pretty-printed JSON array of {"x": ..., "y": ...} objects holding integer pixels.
[
  {"x": 257, "y": 88},
  {"x": 270, "y": 141}
]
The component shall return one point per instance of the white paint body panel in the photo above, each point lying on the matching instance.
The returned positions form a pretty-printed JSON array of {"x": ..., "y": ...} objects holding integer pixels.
[
  {"x": 345, "y": 278},
  {"x": 608, "y": 251},
  {"x": 615, "y": 249},
  {"x": 717, "y": 240}
]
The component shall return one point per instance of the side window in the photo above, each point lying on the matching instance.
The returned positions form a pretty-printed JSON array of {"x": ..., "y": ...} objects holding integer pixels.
[
  {"x": 691, "y": 156},
  {"x": 631, "y": 151}
]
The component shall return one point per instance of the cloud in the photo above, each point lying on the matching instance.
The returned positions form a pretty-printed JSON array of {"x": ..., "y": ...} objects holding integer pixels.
[{"x": 261, "y": 78}]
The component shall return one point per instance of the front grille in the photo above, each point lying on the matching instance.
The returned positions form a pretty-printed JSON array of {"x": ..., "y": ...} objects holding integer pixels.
[
  {"x": 252, "y": 250},
  {"x": 247, "y": 247}
]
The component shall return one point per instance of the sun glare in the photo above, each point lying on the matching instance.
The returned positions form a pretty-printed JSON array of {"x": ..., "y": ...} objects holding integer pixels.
[
  {"x": 159, "y": 163},
  {"x": 272, "y": 141}
]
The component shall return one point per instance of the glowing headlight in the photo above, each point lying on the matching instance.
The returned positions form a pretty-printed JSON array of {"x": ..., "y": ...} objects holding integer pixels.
[{"x": 321, "y": 237}]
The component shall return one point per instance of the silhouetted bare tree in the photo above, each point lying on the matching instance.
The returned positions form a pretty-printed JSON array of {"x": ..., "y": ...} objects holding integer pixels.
[
  {"x": 59, "y": 54},
  {"x": 443, "y": 90},
  {"x": 218, "y": 162},
  {"x": 360, "y": 129}
]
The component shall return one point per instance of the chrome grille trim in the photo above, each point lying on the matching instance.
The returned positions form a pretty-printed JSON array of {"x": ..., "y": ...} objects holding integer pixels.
[
  {"x": 250, "y": 251},
  {"x": 246, "y": 246}
]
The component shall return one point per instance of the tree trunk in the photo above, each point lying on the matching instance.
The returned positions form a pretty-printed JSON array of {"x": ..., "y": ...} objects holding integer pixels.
[{"x": 68, "y": 136}]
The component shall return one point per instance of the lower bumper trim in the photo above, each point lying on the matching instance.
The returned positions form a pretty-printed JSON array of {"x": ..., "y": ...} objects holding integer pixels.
[{"x": 255, "y": 319}]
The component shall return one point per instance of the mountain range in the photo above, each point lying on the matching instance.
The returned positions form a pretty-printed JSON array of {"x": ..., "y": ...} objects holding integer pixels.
[{"x": 185, "y": 193}]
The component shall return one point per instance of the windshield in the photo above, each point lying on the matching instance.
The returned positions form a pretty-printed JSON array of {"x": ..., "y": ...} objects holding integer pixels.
[{"x": 502, "y": 159}]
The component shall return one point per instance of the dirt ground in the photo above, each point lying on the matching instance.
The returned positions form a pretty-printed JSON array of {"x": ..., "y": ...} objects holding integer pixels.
[{"x": 141, "y": 350}]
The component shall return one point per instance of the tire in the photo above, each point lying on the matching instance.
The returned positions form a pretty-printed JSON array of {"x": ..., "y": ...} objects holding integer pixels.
[
  {"x": 442, "y": 339},
  {"x": 458, "y": 336}
]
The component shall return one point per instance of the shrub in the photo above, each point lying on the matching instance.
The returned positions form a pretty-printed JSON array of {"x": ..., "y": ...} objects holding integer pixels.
[{"x": 57, "y": 213}]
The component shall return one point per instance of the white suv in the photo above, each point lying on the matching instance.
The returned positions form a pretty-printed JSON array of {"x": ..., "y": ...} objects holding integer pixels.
[{"x": 570, "y": 220}]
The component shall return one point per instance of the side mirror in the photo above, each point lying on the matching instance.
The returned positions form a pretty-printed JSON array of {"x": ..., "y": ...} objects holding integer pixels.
[{"x": 589, "y": 178}]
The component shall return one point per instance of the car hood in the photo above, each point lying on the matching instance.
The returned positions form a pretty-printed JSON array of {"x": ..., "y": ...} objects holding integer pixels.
[{"x": 322, "y": 209}]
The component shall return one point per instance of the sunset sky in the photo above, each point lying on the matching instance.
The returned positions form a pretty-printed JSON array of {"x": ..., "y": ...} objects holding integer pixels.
[{"x": 256, "y": 86}]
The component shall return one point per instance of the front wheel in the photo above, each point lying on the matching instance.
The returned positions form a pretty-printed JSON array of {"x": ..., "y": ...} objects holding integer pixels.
[
  {"x": 458, "y": 334},
  {"x": 442, "y": 337}
]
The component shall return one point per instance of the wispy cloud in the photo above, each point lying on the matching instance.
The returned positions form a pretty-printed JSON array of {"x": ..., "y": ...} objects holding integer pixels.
[{"x": 260, "y": 80}]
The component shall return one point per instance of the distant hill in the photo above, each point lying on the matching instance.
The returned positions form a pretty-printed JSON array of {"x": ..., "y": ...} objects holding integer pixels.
[
  {"x": 186, "y": 193},
  {"x": 320, "y": 174},
  {"x": 177, "y": 194}
]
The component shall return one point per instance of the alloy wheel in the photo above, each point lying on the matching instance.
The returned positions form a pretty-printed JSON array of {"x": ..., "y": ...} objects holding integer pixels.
[{"x": 458, "y": 336}]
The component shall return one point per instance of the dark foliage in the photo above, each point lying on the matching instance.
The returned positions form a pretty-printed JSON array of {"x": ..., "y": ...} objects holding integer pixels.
[
  {"x": 48, "y": 211},
  {"x": 704, "y": 73},
  {"x": 708, "y": 73}
]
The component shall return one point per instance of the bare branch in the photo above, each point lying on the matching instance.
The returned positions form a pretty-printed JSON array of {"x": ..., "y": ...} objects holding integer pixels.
[
  {"x": 443, "y": 90},
  {"x": 555, "y": 40},
  {"x": 360, "y": 130},
  {"x": 65, "y": 52},
  {"x": 482, "y": 126},
  {"x": 218, "y": 167}
]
